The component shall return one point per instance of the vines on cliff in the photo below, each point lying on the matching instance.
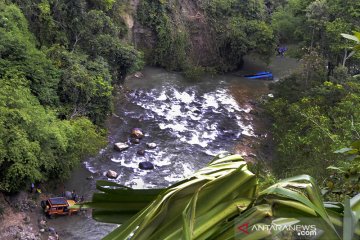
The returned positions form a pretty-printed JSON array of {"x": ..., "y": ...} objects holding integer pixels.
[{"x": 171, "y": 41}]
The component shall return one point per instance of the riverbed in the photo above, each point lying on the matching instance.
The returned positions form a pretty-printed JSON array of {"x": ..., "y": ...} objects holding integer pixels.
[{"x": 190, "y": 122}]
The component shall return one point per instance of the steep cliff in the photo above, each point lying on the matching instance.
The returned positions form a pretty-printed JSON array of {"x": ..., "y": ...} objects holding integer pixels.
[{"x": 181, "y": 34}]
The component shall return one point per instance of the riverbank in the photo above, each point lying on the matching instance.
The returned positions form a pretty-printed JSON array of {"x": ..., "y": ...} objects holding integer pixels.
[
  {"x": 258, "y": 147},
  {"x": 22, "y": 217}
]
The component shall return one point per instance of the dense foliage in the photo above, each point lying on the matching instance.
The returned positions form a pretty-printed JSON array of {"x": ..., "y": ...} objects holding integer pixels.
[
  {"x": 318, "y": 24},
  {"x": 241, "y": 27},
  {"x": 35, "y": 145},
  {"x": 237, "y": 28},
  {"x": 316, "y": 110},
  {"x": 59, "y": 61}
]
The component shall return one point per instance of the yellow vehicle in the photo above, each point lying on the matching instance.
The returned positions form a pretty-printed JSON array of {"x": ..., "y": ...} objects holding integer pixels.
[{"x": 58, "y": 206}]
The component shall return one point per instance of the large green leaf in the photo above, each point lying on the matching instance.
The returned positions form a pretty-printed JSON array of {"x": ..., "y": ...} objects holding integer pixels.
[{"x": 215, "y": 200}]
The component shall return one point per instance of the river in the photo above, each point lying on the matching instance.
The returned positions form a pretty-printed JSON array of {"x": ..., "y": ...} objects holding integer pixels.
[{"x": 190, "y": 121}]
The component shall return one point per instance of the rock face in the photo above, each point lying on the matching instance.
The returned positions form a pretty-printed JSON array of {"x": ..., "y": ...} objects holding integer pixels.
[
  {"x": 111, "y": 174},
  {"x": 146, "y": 166},
  {"x": 151, "y": 145},
  {"x": 137, "y": 133},
  {"x": 120, "y": 146}
]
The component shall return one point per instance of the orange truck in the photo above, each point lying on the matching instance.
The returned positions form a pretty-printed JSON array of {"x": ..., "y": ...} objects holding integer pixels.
[{"x": 58, "y": 206}]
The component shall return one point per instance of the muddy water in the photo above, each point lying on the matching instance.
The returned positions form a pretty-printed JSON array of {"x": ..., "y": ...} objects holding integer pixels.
[{"x": 189, "y": 121}]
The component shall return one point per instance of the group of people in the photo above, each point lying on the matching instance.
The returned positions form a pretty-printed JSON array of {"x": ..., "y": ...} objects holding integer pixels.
[
  {"x": 73, "y": 196},
  {"x": 34, "y": 189}
]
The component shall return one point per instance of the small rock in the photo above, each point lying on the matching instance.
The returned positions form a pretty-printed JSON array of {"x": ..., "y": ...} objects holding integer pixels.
[
  {"x": 254, "y": 112},
  {"x": 27, "y": 219},
  {"x": 42, "y": 230},
  {"x": 111, "y": 174},
  {"x": 146, "y": 166},
  {"x": 138, "y": 75},
  {"x": 42, "y": 224},
  {"x": 151, "y": 145},
  {"x": 137, "y": 133},
  {"x": 120, "y": 146},
  {"x": 90, "y": 177},
  {"x": 18, "y": 235},
  {"x": 134, "y": 141},
  {"x": 141, "y": 152},
  {"x": 252, "y": 155}
]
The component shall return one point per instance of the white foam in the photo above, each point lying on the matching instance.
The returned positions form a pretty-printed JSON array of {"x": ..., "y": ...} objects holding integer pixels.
[
  {"x": 210, "y": 101},
  {"x": 175, "y": 111},
  {"x": 210, "y": 135},
  {"x": 138, "y": 183},
  {"x": 173, "y": 178},
  {"x": 162, "y": 162},
  {"x": 195, "y": 140},
  {"x": 184, "y": 97},
  {"x": 178, "y": 127},
  {"x": 89, "y": 167},
  {"x": 188, "y": 171},
  {"x": 133, "y": 164},
  {"x": 247, "y": 130},
  {"x": 162, "y": 96}
]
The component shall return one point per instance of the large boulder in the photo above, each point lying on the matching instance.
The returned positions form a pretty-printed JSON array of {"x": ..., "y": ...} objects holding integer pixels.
[
  {"x": 151, "y": 145},
  {"x": 137, "y": 133},
  {"x": 111, "y": 174},
  {"x": 120, "y": 146},
  {"x": 146, "y": 166}
]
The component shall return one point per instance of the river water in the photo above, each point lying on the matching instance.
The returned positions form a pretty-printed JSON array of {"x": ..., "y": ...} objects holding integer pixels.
[{"x": 190, "y": 121}]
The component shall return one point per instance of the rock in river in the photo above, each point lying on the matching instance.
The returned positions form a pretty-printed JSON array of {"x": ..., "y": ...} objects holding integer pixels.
[
  {"x": 146, "y": 165},
  {"x": 134, "y": 141},
  {"x": 121, "y": 146},
  {"x": 141, "y": 152},
  {"x": 111, "y": 174},
  {"x": 151, "y": 145},
  {"x": 137, "y": 133}
]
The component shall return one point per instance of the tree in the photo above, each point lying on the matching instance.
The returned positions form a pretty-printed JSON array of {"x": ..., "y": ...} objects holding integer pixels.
[
  {"x": 85, "y": 87},
  {"x": 18, "y": 53},
  {"x": 35, "y": 145},
  {"x": 356, "y": 47}
]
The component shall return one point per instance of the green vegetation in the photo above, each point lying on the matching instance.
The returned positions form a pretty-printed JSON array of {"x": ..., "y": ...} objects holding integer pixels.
[
  {"x": 315, "y": 110},
  {"x": 156, "y": 15},
  {"x": 60, "y": 61},
  {"x": 35, "y": 145},
  {"x": 217, "y": 200},
  {"x": 58, "y": 64},
  {"x": 239, "y": 30},
  {"x": 317, "y": 24}
]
